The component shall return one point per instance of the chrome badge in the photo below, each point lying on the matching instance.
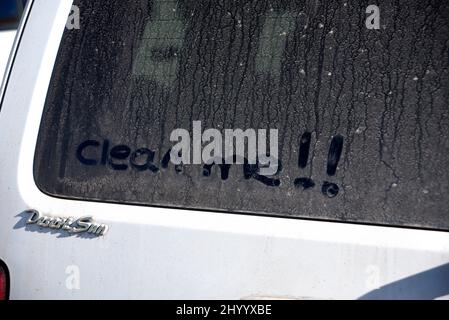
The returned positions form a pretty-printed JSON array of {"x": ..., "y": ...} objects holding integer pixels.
[{"x": 71, "y": 225}]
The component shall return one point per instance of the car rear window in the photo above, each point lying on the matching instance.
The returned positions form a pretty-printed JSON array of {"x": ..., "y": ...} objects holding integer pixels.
[{"x": 360, "y": 110}]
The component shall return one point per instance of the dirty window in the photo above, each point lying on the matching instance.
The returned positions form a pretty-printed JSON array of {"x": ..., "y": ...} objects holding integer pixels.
[{"x": 358, "y": 108}]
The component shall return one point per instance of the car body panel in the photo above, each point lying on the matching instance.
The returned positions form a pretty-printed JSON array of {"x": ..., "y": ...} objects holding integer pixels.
[{"x": 6, "y": 41}]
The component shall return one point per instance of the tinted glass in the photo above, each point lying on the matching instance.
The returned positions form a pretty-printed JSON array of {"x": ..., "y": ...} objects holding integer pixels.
[{"x": 362, "y": 113}]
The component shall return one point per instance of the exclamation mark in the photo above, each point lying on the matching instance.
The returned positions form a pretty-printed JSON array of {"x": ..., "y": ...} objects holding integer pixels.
[
  {"x": 330, "y": 189},
  {"x": 304, "y": 149},
  {"x": 303, "y": 158}
]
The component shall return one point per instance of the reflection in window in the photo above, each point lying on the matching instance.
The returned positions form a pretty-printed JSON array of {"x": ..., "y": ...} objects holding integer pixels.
[
  {"x": 10, "y": 13},
  {"x": 161, "y": 43}
]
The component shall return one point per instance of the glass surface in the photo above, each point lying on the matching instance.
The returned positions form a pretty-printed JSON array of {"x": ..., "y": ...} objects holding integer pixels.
[{"x": 377, "y": 98}]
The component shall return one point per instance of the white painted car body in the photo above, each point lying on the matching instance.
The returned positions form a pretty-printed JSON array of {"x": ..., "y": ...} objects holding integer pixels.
[
  {"x": 6, "y": 43},
  {"x": 154, "y": 253}
]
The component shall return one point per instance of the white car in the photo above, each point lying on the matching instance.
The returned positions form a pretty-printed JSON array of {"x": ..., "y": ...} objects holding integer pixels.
[{"x": 94, "y": 206}]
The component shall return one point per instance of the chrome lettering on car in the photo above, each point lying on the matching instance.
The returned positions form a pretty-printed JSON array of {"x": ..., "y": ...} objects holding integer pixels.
[{"x": 71, "y": 225}]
